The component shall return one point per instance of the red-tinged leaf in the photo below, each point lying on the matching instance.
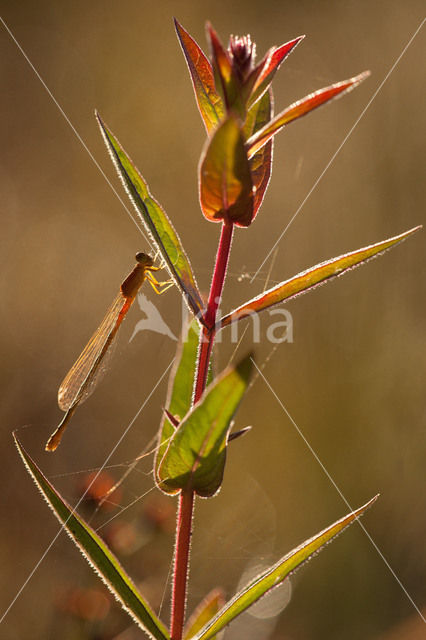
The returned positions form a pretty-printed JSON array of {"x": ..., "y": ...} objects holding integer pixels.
[
  {"x": 276, "y": 574},
  {"x": 204, "y": 613},
  {"x": 261, "y": 163},
  {"x": 226, "y": 188},
  {"x": 173, "y": 419},
  {"x": 313, "y": 277},
  {"x": 226, "y": 82},
  {"x": 301, "y": 108},
  {"x": 261, "y": 168},
  {"x": 155, "y": 221},
  {"x": 266, "y": 69},
  {"x": 221, "y": 61},
  {"x": 209, "y": 101}
]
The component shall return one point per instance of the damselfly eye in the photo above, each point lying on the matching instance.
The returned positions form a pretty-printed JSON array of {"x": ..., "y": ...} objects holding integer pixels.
[{"x": 144, "y": 259}]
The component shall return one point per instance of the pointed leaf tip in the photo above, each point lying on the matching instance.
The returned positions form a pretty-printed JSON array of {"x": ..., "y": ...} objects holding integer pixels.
[
  {"x": 238, "y": 434},
  {"x": 155, "y": 221},
  {"x": 96, "y": 553},
  {"x": 209, "y": 101},
  {"x": 276, "y": 574},
  {"x": 301, "y": 108},
  {"x": 313, "y": 277},
  {"x": 227, "y": 83},
  {"x": 204, "y": 612},
  {"x": 264, "y": 72}
]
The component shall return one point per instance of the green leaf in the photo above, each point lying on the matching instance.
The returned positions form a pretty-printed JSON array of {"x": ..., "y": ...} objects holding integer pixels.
[
  {"x": 97, "y": 554},
  {"x": 258, "y": 115},
  {"x": 209, "y": 101},
  {"x": 313, "y": 277},
  {"x": 275, "y": 575},
  {"x": 261, "y": 162},
  {"x": 181, "y": 385},
  {"x": 204, "y": 612},
  {"x": 155, "y": 221},
  {"x": 226, "y": 189},
  {"x": 301, "y": 108},
  {"x": 195, "y": 457}
]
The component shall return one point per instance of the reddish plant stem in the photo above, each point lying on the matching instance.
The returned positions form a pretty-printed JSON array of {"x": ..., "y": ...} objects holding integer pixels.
[
  {"x": 208, "y": 332},
  {"x": 186, "y": 498},
  {"x": 205, "y": 349},
  {"x": 181, "y": 566},
  {"x": 219, "y": 273}
]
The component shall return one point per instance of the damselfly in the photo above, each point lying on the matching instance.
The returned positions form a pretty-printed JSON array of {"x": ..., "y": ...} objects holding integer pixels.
[{"x": 81, "y": 380}]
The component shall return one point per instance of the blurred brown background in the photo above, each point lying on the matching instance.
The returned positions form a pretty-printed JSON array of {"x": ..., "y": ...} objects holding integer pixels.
[{"x": 353, "y": 379}]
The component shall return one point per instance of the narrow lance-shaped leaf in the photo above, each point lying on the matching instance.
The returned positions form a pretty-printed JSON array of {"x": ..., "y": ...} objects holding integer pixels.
[
  {"x": 195, "y": 457},
  {"x": 181, "y": 384},
  {"x": 97, "y": 554},
  {"x": 204, "y": 613},
  {"x": 313, "y": 277},
  {"x": 155, "y": 221},
  {"x": 209, "y": 101},
  {"x": 226, "y": 189},
  {"x": 266, "y": 69},
  {"x": 301, "y": 108},
  {"x": 276, "y": 574}
]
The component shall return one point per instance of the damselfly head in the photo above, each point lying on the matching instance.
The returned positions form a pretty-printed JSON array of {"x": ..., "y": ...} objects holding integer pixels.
[{"x": 144, "y": 259}]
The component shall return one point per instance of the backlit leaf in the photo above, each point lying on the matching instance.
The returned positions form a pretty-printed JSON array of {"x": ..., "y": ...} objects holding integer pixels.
[
  {"x": 155, "y": 221},
  {"x": 261, "y": 162},
  {"x": 313, "y": 277},
  {"x": 301, "y": 108},
  {"x": 181, "y": 385},
  {"x": 209, "y": 101},
  {"x": 195, "y": 457},
  {"x": 97, "y": 554},
  {"x": 276, "y": 574},
  {"x": 226, "y": 189},
  {"x": 266, "y": 69},
  {"x": 226, "y": 81},
  {"x": 204, "y": 613}
]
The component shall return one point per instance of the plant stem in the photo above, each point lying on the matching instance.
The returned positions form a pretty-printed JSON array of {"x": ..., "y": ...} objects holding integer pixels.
[
  {"x": 219, "y": 273},
  {"x": 208, "y": 332},
  {"x": 181, "y": 565},
  {"x": 186, "y": 498},
  {"x": 204, "y": 352}
]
